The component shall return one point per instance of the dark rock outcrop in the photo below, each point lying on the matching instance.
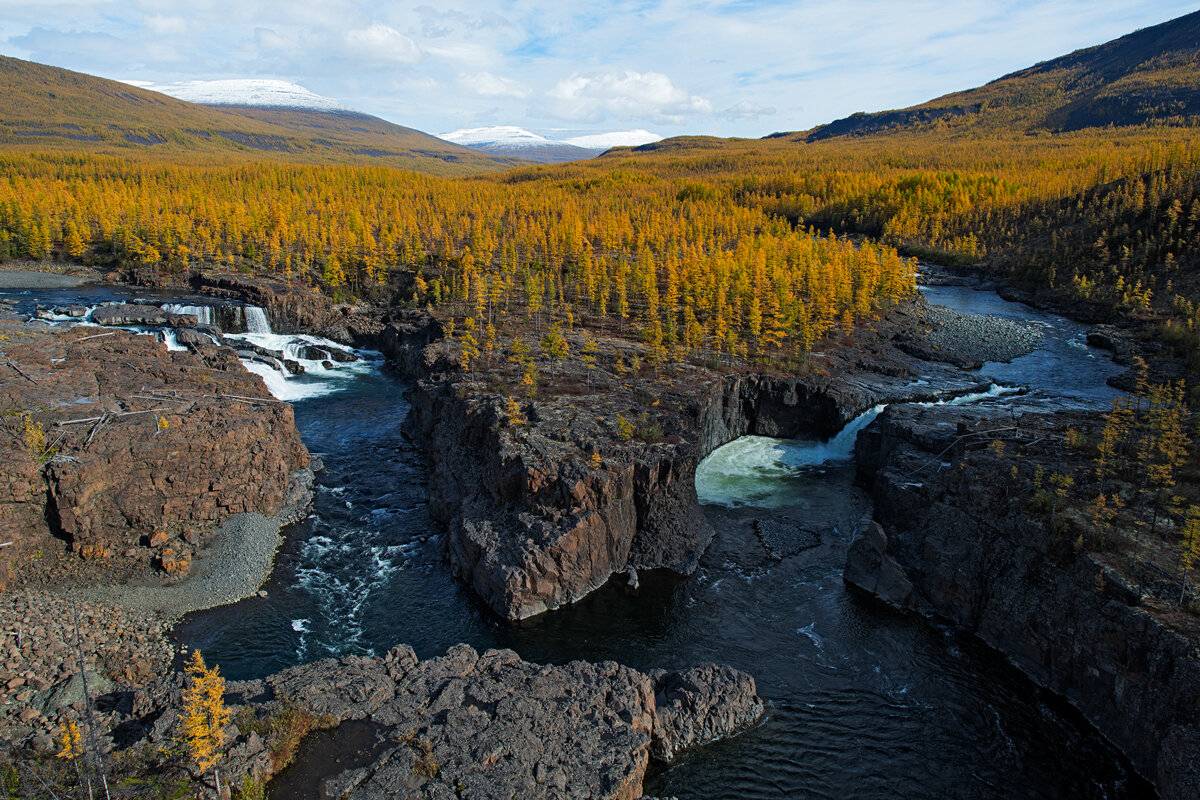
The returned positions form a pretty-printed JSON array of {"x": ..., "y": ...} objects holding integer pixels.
[
  {"x": 489, "y": 725},
  {"x": 138, "y": 314},
  {"x": 959, "y": 548}
]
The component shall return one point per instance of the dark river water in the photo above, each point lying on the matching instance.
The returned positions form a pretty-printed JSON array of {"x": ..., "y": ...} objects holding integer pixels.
[{"x": 863, "y": 702}]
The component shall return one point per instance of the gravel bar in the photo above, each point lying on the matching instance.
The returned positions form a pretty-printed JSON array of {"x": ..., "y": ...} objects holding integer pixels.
[
  {"x": 233, "y": 567},
  {"x": 977, "y": 337},
  {"x": 29, "y": 279}
]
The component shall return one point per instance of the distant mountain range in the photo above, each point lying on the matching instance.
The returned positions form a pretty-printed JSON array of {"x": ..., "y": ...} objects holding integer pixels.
[
  {"x": 48, "y": 108},
  {"x": 1151, "y": 76},
  {"x": 509, "y": 140}
]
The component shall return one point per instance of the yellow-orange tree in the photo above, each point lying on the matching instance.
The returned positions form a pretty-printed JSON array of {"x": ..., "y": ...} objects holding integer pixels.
[{"x": 204, "y": 717}]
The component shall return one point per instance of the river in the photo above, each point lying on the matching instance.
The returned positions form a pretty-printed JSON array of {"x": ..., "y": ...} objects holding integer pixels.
[{"x": 863, "y": 702}]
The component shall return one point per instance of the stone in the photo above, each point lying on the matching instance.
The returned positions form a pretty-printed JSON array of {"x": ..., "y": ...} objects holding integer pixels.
[
  {"x": 70, "y": 693},
  {"x": 869, "y": 567},
  {"x": 493, "y": 726},
  {"x": 700, "y": 705},
  {"x": 175, "y": 561}
]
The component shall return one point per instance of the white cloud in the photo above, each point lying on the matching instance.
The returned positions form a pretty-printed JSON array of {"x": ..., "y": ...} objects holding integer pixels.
[
  {"x": 161, "y": 25},
  {"x": 489, "y": 85},
  {"x": 624, "y": 95},
  {"x": 382, "y": 43},
  {"x": 744, "y": 109}
]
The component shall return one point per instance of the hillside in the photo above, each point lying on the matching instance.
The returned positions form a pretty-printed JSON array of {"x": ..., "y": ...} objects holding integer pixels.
[
  {"x": 1149, "y": 76},
  {"x": 47, "y": 108}
]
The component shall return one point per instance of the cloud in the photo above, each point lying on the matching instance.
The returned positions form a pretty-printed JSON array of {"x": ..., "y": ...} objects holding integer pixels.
[
  {"x": 436, "y": 24},
  {"x": 744, "y": 109},
  {"x": 624, "y": 95},
  {"x": 489, "y": 85},
  {"x": 382, "y": 43},
  {"x": 161, "y": 25}
]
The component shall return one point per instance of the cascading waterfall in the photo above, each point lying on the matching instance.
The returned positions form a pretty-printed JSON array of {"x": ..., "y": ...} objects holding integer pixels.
[
  {"x": 748, "y": 471},
  {"x": 257, "y": 320},
  {"x": 203, "y": 314}
]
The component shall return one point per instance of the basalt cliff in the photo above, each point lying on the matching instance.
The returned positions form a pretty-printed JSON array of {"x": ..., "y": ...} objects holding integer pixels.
[
  {"x": 960, "y": 534},
  {"x": 545, "y": 498}
]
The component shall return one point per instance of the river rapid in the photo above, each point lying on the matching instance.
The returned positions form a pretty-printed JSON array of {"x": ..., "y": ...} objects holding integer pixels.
[{"x": 863, "y": 702}]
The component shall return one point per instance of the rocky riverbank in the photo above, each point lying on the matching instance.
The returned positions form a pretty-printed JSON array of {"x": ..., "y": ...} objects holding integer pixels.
[
  {"x": 961, "y": 533},
  {"x": 130, "y": 455}
]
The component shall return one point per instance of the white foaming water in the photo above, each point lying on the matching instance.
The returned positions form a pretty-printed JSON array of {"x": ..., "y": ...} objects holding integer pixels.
[
  {"x": 203, "y": 314},
  {"x": 169, "y": 339},
  {"x": 995, "y": 390},
  {"x": 749, "y": 470},
  {"x": 257, "y": 321},
  {"x": 287, "y": 387}
]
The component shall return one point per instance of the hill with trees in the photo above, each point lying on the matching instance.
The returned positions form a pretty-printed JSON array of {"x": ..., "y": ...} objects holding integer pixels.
[{"x": 47, "y": 108}]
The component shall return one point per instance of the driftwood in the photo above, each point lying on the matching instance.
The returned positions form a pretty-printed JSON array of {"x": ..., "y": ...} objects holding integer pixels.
[
  {"x": 21, "y": 372},
  {"x": 117, "y": 414}
]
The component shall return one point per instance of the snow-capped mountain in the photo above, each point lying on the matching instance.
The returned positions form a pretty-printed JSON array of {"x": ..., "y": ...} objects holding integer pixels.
[
  {"x": 255, "y": 92},
  {"x": 498, "y": 135},
  {"x": 510, "y": 140},
  {"x": 604, "y": 141}
]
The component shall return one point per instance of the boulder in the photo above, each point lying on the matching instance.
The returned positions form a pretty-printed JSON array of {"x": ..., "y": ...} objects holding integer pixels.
[{"x": 869, "y": 567}]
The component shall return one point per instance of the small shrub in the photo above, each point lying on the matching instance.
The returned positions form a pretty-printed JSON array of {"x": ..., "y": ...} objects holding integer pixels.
[
  {"x": 250, "y": 790},
  {"x": 288, "y": 727}
]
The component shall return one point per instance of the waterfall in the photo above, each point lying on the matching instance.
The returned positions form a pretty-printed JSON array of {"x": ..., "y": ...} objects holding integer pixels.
[
  {"x": 203, "y": 314},
  {"x": 257, "y": 321}
]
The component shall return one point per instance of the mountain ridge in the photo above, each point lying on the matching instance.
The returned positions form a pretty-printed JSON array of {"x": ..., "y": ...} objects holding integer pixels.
[{"x": 1150, "y": 76}]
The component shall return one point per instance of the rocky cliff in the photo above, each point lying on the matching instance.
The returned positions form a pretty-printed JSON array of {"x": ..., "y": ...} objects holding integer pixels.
[
  {"x": 130, "y": 453},
  {"x": 955, "y": 539}
]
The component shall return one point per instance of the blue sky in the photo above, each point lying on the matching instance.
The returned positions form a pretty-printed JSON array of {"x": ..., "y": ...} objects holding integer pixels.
[{"x": 722, "y": 67}]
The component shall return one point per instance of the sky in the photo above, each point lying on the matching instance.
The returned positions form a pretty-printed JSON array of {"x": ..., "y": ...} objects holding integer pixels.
[{"x": 561, "y": 68}]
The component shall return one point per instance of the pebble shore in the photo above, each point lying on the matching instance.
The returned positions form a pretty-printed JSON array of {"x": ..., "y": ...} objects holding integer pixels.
[{"x": 979, "y": 338}]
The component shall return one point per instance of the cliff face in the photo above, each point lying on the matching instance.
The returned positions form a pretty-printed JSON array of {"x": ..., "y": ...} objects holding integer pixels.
[
  {"x": 952, "y": 543},
  {"x": 112, "y": 442},
  {"x": 543, "y": 511}
]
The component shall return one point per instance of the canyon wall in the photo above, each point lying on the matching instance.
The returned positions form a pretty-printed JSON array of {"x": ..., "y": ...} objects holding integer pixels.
[{"x": 953, "y": 539}]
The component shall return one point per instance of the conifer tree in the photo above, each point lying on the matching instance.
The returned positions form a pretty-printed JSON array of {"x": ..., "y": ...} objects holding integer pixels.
[{"x": 204, "y": 716}]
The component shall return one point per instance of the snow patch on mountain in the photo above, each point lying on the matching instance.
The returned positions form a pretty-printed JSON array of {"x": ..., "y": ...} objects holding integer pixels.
[
  {"x": 511, "y": 136},
  {"x": 256, "y": 92},
  {"x": 497, "y": 135},
  {"x": 603, "y": 141}
]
